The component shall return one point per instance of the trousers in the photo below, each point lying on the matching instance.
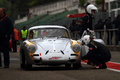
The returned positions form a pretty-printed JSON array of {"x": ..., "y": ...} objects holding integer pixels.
[{"x": 4, "y": 48}]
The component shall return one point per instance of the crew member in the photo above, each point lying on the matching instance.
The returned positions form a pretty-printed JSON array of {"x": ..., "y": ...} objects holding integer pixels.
[
  {"x": 98, "y": 53},
  {"x": 23, "y": 33},
  {"x": 88, "y": 18},
  {"x": 14, "y": 40}
]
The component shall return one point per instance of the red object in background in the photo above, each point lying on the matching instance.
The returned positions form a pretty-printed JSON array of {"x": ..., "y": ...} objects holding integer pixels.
[
  {"x": 75, "y": 15},
  {"x": 20, "y": 38},
  {"x": 103, "y": 5},
  {"x": 44, "y": 33},
  {"x": 10, "y": 42}
]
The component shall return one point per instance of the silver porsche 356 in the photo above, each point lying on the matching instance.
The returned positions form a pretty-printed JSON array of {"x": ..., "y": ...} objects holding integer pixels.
[{"x": 50, "y": 45}]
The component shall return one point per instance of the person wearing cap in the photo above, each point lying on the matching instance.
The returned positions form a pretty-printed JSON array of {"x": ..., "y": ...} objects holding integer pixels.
[
  {"x": 6, "y": 29},
  {"x": 98, "y": 53}
]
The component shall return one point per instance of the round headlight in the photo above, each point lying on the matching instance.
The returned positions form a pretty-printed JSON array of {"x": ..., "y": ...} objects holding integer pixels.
[
  {"x": 31, "y": 48},
  {"x": 76, "y": 48}
]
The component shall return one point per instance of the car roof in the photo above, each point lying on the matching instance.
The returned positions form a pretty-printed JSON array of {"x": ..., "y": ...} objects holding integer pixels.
[{"x": 46, "y": 26}]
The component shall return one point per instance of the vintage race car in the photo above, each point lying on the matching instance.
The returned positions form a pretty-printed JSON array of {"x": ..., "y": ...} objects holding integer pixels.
[{"x": 50, "y": 45}]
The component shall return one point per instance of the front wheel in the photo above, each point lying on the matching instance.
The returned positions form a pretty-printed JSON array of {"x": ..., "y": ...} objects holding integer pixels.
[
  {"x": 28, "y": 66},
  {"x": 68, "y": 66},
  {"x": 22, "y": 61},
  {"x": 24, "y": 64},
  {"x": 76, "y": 65}
]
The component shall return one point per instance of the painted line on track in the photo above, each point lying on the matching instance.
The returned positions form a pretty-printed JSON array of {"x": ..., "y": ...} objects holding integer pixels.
[
  {"x": 113, "y": 66},
  {"x": 113, "y": 70}
]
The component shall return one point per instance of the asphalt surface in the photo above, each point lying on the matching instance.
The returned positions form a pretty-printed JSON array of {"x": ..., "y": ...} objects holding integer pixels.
[{"x": 14, "y": 72}]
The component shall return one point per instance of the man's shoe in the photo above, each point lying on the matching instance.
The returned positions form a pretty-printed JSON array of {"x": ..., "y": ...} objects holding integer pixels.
[
  {"x": 97, "y": 67},
  {"x": 103, "y": 67},
  {"x": 6, "y": 66}
]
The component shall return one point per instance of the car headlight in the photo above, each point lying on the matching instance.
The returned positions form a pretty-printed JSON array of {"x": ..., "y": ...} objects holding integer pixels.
[
  {"x": 76, "y": 48},
  {"x": 31, "y": 48}
]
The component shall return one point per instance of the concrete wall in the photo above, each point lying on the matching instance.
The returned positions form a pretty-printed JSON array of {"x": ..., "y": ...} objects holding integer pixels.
[
  {"x": 47, "y": 8},
  {"x": 21, "y": 20}
]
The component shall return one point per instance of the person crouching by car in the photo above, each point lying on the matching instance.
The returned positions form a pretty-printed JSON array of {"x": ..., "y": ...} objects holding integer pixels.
[{"x": 98, "y": 53}]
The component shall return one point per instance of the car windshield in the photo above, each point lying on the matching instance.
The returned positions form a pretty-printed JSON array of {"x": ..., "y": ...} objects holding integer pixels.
[{"x": 48, "y": 33}]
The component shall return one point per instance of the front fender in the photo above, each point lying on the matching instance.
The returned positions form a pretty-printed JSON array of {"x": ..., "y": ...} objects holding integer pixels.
[
  {"x": 25, "y": 52},
  {"x": 78, "y": 57}
]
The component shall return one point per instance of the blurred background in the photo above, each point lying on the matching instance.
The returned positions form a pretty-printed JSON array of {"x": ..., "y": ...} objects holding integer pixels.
[{"x": 62, "y": 12}]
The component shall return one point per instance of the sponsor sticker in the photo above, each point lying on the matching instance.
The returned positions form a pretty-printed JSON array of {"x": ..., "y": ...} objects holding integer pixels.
[{"x": 53, "y": 58}]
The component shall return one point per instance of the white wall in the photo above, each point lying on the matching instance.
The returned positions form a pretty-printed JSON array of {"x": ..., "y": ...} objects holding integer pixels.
[
  {"x": 51, "y": 8},
  {"x": 43, "y": 9},
  {"x": 21, "y": 20}
]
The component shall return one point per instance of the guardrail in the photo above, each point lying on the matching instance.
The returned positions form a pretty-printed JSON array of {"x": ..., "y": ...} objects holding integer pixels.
[{"x": 109, "y": 36}]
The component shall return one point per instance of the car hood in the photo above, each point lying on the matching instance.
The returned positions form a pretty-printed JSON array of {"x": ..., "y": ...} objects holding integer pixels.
[{"x": 53, "y": 45}]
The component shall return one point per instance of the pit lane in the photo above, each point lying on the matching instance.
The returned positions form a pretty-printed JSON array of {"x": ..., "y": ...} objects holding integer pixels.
[{"x": 58, "y": 72}]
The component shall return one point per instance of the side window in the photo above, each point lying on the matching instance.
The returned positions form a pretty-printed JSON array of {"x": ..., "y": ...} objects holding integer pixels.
[{"x": 35, "y": 34}]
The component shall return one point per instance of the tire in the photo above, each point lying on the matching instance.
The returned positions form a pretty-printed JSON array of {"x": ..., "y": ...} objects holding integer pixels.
[
  {"x": 76, "y": 66},
  {"x": 67, "y": 66},
  {"x": 28, "y": 66},
  {"x": 24, "y": 64},
  {"x": 22, "y": 61}
]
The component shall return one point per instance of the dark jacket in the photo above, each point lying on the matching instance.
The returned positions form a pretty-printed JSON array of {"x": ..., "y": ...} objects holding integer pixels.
[
  {"x": 98, "y": 51},
  {"x": 87, "y": 22},
  {"x": 116, "y": 22},
  {"x": 109, "y": 25},
  {"x": 73, "y": 26},
  {"x": 6, "y": 28},
  {"x": 99, "y": 25}
]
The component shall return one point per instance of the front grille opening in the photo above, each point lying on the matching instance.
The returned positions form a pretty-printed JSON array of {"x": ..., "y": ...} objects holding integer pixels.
[
  {"x": 72, "y": 60},
  {"x": 35, "y": 54},
  {"x": 37, "y": 61},
  {"x": 73, "y": 54}
]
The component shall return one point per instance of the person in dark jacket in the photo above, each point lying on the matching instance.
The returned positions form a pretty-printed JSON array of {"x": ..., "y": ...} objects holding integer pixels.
[
  {"x": 6, "y": 29},
  {"x": 88, "y": 18},
  {"x": 73, "y": 27},
  {"x": 116, "y": 23},
  {"x": 109, "y": 33},
  {"x": 98, "y": 53},
  {"x": 99, "y": 26}
]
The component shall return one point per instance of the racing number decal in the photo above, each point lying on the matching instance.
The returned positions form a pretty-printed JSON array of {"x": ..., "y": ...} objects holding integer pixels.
[{"x": 53, "y": 58}]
